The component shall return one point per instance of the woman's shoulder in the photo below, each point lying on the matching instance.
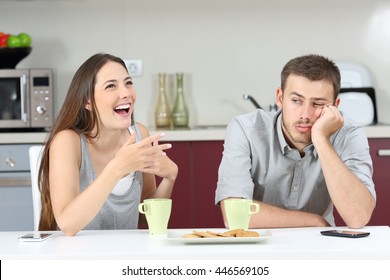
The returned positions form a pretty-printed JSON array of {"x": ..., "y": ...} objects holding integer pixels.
[{"x": 67, "y": 136}]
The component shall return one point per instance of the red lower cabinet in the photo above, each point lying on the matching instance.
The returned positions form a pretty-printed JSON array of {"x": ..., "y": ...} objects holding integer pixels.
[
  {"x": 206, "y": 159},
  {"x": 182, "y": 208},
  {"x": 193, "y": 196},
  {"x": 380, "y": 154}
]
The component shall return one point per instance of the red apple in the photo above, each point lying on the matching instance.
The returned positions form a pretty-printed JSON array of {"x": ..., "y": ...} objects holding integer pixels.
[{"x": 3, "y": 39}]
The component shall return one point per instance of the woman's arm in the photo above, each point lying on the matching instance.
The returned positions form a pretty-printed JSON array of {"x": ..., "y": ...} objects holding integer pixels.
[{"x": 74, "y": 210}]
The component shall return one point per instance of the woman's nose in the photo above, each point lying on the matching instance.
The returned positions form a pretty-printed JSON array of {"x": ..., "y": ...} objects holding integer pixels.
[{"x": 125, "y": 92}]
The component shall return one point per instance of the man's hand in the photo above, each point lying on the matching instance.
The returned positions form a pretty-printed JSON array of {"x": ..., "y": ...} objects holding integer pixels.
[{"x": 327, "y": 124}]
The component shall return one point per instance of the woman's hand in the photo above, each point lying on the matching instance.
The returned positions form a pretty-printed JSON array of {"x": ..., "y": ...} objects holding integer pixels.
[
  {"x": 144, "y": 156},
  {"x": 164, "y": 167}
]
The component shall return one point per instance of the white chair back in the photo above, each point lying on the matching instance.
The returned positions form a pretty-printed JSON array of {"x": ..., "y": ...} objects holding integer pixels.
[{"x": 35, "y": 154}]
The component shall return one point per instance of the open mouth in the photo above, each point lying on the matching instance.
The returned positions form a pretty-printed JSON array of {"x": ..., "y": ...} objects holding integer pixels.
[{"x": 122, "y": 109}]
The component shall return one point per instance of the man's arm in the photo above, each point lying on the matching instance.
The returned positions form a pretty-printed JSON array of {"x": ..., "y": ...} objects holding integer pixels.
[
  {"x": 271, "y": 216},
  {"x": 349, "y": 195},
  {"x": 351, "y": 198}
]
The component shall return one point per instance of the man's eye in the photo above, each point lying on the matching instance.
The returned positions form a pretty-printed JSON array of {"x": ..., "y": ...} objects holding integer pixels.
[
  {"x": 319, "y": 105},
  {"x": 296, "y": 101}
]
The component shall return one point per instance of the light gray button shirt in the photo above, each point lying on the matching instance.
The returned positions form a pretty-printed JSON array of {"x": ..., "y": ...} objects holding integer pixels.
[{"x": 257, "y": 163}]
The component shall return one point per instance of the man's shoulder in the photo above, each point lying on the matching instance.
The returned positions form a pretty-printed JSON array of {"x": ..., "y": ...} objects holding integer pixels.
[
  {"x": 349, "y": 130},
  {"x": 257, "y": 119}
]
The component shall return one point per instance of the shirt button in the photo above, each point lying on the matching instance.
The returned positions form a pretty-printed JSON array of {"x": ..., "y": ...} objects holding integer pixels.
[
  {"x": 295, "y": 188},
  {"x": 299, "y": 163}
]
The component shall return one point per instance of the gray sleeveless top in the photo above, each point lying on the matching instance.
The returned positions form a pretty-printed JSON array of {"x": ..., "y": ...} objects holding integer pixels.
[{"x": 119, "y": 211}]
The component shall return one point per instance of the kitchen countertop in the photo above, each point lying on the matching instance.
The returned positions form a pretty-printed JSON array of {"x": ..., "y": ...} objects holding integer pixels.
[
  {"x": 284, "y": 243},
  {"x": 199, "y": 133}
]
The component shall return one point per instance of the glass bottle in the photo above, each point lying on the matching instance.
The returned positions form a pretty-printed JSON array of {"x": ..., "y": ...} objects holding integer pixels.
[
  {"x": 162, "y": 114},
  {"x": 180, "y": 110}
]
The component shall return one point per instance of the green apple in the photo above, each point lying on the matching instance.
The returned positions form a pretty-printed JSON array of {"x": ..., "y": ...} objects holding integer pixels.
[
  {"x": 25, "y": 40},
  {"x": 14, "y": 41}
]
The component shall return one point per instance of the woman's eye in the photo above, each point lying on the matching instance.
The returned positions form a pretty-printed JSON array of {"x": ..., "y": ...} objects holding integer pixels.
[
  {"x": 110, "y": 86},
  {"x": 129, "y": 83}
]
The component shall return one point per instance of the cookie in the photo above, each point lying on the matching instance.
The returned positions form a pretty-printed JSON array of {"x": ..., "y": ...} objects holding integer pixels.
[
  {"x": 204, "y": 234},
  {"x": 191, "y": 235},
  {"x": 247, "y": 233},
  {"x": 232, "y": 233}
]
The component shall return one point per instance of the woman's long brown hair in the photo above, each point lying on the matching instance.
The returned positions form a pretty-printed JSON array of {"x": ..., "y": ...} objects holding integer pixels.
[{"x": 73, "y": 115}]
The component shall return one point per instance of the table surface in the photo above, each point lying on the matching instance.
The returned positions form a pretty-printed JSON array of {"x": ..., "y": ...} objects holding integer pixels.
[{"x": 288, "y": 243}]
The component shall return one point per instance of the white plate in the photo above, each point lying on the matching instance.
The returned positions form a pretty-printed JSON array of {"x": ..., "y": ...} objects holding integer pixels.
[{"x": 176, "y": 236}]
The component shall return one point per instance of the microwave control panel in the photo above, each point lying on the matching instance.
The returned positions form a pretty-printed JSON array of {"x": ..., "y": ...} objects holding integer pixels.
[{"x": 41, "y": 92}]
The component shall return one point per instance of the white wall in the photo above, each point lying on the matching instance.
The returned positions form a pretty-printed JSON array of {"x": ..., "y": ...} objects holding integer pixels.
[{"x": 225, "y": 47}]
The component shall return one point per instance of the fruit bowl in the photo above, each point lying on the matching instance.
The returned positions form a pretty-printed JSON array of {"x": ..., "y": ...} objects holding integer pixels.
[{"x": 10, "y": 57}]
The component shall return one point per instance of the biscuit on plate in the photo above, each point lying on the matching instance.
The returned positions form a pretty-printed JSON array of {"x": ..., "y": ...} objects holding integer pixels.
[
  {"x": 204, "y": 234},
  {"x": 247, "y": 233},
  {"x": 191, "y": 235},
  {"x": 232, "y": 233}
]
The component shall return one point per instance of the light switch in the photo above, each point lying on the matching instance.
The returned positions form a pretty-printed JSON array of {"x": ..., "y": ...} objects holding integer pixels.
[{"x": 134, "y": 66}]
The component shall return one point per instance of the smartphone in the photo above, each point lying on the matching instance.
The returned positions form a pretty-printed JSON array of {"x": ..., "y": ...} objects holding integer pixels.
[
  {"x": 35, "y": 237},
  {"x": 345, "y": 233}
]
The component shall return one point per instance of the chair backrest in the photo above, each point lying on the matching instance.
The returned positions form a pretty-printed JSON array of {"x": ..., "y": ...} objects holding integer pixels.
[{"x": 35, "y": 154}]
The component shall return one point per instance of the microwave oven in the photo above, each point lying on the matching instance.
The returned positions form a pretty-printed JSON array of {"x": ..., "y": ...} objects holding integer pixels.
[{"x": 26, "y": 99}]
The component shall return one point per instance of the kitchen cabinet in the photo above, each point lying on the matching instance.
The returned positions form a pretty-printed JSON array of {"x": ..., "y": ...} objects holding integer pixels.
[
  {"x": 380, "y": 153},
  {"x": 194, "y": 192},
  {"x": 207, "y": 156},
  {"x": 193, "y": 195}
]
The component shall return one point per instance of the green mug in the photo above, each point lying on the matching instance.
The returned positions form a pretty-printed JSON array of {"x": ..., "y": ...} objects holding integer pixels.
[
  {"x": 157, "y": 212},
  {"x": 238, "y": 212}
]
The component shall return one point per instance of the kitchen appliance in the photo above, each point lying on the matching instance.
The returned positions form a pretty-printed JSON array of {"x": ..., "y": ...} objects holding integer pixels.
[
  {"x": 26, "y": 99},
  {"x": 357, "y": 94},
  {"x": 16, "y": 204}
]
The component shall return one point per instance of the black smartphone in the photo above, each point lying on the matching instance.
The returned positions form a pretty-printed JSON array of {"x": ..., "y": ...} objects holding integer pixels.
[
  {"x": 345, "y": 233},
  {"x": 34, "y": 237}
]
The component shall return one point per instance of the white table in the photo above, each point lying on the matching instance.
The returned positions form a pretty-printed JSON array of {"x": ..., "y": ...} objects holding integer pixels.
[{"x": 293, "y": 243}]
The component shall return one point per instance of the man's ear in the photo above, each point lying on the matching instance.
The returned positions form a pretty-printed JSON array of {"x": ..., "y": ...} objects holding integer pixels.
[
  {"x": 279, "y": 97},
  {"x": 337, "y": 102}
]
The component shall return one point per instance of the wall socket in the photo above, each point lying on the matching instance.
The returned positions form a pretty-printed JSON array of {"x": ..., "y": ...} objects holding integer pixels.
[{"x": 134, "y": 66}]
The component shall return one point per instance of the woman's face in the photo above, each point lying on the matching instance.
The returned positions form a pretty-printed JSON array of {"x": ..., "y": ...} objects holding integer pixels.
[{"x": 115, "y": 96}]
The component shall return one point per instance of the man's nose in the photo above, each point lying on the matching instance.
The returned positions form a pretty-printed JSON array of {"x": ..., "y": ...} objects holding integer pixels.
[{"x": 307, "y": 112}]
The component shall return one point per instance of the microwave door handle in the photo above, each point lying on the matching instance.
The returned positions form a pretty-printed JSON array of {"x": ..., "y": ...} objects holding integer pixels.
[{"x": 23, "y": 96}]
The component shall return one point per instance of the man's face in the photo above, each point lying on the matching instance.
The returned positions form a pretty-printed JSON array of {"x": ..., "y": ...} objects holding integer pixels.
[{"x": 302, "y": 102}]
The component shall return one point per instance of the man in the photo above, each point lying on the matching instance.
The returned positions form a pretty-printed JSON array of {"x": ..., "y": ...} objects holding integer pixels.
[{"x": 304, "y": 159}]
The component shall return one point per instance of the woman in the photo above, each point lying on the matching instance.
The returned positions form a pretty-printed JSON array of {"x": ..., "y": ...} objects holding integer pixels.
[{"x": 98, "y": 164}]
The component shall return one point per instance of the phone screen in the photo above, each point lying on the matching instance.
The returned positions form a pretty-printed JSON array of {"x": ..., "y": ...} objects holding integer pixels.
[
  {"x": 35, "y": 237},
  {"x": 345, "y": 233}
]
